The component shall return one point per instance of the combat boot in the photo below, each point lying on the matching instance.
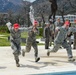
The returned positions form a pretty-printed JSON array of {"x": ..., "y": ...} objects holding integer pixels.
[
  {"x": 17, "y": 63},
  {"x": 23, "y": 53},
  {"x": 71, "y": 59},
  {"x": 37, "y": 59}
]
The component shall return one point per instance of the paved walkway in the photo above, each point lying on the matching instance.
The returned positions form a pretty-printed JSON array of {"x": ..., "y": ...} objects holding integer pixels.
[{"x": 56, "y": 62}]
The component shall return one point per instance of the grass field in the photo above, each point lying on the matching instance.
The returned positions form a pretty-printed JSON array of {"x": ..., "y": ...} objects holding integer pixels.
[{"x": 4, "y": 39}]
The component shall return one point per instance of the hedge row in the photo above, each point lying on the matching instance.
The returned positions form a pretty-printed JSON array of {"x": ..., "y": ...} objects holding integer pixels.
[
  {"x": 4, "y": 29},
  {"x": 40, "y": 31}
]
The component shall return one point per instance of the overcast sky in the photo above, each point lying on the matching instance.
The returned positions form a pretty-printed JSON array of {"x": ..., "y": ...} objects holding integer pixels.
[{"x": 30, "y": 0}]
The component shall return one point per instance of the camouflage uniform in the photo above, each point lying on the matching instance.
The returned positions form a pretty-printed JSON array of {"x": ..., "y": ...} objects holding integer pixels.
[
  {"x": 61, "y": 40},
  {"x": 58, "y": 24},
  {"x": 15, "y": 40},
  {"x": 72, "y": 30},
  {"x": 31, "y": 41}
]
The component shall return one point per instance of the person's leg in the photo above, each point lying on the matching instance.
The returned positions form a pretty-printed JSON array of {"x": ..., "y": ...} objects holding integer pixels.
[
  {"x": 19, "y": 48},
  {"x": 16, "y": 56},
  {"x": 27, "y": 49},
  {"x": 15, "y": 53},
  {"x": 50, "y": 40},
  {"x": 46, "y": 43},
  {"x": 69, "y": 50},
  {"x": 34, "y": 44},
  {"x": 55, "y": 49},
  {"x": 69, "y": 41}
]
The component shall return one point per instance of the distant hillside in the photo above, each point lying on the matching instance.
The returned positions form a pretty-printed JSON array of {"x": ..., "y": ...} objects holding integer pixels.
[
  {"x": 13, "y": 5},
  {"x": 16, "y": 2},
  {"x": 40, "y": 6},
  {"x": 6, "y": 5}
]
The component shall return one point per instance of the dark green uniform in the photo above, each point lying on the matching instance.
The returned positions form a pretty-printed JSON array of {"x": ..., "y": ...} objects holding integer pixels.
[
  {"x": 47, "y": 37},
  {"x": 31, "y": 41}
]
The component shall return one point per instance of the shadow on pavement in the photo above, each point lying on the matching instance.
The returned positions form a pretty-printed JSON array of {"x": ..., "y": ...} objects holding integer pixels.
[
  {"x": 44, "y": 64},
  {"x": 29, "y": 66},
  {"x": 3, "y": 67}
]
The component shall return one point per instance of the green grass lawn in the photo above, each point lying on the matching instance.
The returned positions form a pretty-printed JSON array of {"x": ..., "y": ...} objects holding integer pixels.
[{"x": 4, "y": 39}]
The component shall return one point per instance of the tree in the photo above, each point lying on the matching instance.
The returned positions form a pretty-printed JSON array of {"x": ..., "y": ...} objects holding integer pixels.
[
  {"x": 10, "y": 15},
  {"x": 72, "y": 3},
  {"x": 65, "y": 8},
  {"x": 62, "y": 8},
  {"x": 41, "y": 11},
  {"x": 26, "y": 9}
]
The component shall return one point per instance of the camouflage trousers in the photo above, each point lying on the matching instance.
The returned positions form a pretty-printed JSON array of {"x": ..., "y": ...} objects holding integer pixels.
[
  {"x": 65, "y": 45},
  {"x": 34, "y": 45},
  {"x": 16, "y": 49}
]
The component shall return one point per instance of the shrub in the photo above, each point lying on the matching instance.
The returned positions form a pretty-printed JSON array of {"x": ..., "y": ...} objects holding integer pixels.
[
  {"x": 4, "y": 29},
  {"x": 40, "y": 31}
]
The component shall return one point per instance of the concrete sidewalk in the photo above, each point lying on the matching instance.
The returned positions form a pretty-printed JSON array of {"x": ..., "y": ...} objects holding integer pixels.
[{"x": 56, "y": 62}]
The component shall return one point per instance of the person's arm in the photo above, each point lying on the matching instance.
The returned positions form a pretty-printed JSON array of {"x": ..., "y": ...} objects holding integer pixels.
[
  {"x": 25, "y": 29},
  {"x": 9, "y": 25},
  {"x": 57, "y": 29},
  {"x": 35, "y": 30},
  {"x": 72, "y": 29}
]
